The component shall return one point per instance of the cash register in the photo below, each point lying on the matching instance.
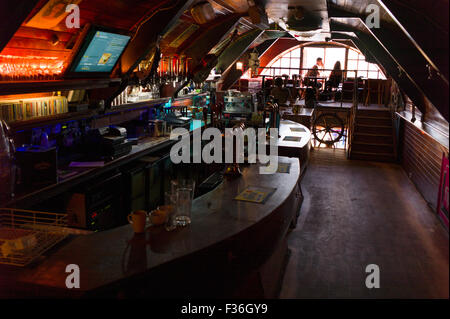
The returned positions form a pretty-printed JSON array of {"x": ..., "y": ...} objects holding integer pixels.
[{"x": 108, "y": 142}]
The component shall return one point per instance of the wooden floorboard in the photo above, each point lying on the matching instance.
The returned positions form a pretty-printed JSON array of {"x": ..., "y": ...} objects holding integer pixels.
[{"x": 357, "y": 213}]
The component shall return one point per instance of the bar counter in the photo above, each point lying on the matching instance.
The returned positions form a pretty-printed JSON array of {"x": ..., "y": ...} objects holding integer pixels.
[
  {"x": 230, "y": 245},
  {"x": 146, "y": 146}
]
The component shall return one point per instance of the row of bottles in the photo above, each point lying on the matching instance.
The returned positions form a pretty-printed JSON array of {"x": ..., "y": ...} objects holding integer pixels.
[{"x": 171, "y": 69}]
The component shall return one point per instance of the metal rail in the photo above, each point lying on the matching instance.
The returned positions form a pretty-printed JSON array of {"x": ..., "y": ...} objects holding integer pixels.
[{"x": 321, "y": 70}]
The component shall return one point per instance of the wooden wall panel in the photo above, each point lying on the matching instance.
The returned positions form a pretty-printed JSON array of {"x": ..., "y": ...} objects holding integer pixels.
[
  {"x": 32, "y": 33},
  {"x": 421, "y": 158}
]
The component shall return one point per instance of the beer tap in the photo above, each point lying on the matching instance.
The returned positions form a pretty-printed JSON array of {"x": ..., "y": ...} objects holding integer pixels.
[
  {"x": 233, "y": 170},
  {"x": 271, "y": 111},
  {"x": 177, "y": 69}
]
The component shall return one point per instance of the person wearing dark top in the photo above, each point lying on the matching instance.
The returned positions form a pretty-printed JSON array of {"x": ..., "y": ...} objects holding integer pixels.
[
  {"x": 281, "y": 94},
  {"x": 314, "y": 72},
  {"x": 335, "y": 77}
]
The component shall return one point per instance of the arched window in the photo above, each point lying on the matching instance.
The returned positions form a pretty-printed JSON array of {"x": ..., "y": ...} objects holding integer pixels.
[
  {"x": 357, "y": 61},
  {"x": 298, "y": 59},
  {"x": 286, "y": 63}
]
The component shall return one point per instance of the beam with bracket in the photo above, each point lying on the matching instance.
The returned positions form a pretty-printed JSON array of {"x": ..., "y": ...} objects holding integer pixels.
[
  {"x": 148, "y": 34},
  {"x": 368, "y": 43},
  {"x": 225, "y": 7},
  {"x": 403, "y": 49},
  {"x": 413, "y": 18},
  {"x": 210, "y": 38},
  {"x": 236, "y": 49},
  {"x": 231, "y": 75},
  {"x": 145, "y": 39}
]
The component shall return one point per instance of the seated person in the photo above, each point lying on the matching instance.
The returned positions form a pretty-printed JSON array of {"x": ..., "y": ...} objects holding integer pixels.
[
  {"x": 335, "y": 77},
  {"x": 280, "y": 93},
  {"x": 314, "y": 72}
]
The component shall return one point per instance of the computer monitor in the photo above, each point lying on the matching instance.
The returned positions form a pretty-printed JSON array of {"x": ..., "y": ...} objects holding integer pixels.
[{"x": 99, "y": 53}]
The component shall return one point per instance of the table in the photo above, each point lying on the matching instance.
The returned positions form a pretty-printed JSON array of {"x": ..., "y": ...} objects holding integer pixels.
[{"x": 316, "y": 79}]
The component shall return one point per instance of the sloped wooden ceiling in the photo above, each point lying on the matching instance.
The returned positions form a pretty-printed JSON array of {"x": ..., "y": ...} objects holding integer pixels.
[
  {"x": 424, "y": 23},
  {"x": 420, "y": 61},
  {"x": 31, "y": 38},
  {"x": 11, "y": 16},
  {"x": 418, "y": 17},
  {"x": 413, "y": 36},
  {"x": 35, "y": 40}
]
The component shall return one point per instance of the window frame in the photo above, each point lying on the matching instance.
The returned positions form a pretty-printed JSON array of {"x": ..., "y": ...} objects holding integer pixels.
[{"x": 271, "y": 71}]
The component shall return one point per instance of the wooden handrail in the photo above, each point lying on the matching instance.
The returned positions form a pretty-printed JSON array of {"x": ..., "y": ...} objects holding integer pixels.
[{"x": 352, "y": 121}]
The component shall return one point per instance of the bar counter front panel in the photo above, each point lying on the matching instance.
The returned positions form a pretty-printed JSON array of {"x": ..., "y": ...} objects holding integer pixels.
[{"x": 227, "y": 243}]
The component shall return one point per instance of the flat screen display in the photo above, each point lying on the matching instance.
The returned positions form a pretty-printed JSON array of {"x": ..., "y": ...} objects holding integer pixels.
[{"x": 102, "y": 53}]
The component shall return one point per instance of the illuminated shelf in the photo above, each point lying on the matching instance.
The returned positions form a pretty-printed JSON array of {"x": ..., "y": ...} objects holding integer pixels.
[
  {"x": 49, "y": 120},
  {"x": 73, "y": 116},
  {"x": 11, "y": 88}
]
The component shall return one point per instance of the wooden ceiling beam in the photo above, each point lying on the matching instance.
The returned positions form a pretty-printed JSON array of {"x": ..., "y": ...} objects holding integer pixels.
[
  {"x": 413, "y": 18},
  {"x": 237, "y": 48},
  {"x": 147, "y": 36},
  {"x": 433, "y": 85},
  {"x": 199, "y": 47},
  {"x": 243, "y": 10},
  {"x": 264, "y": 43},
  {"x": 12, "y": 14},
  {"x": 232, "y": 75},
  {"x": 149, "y": 32},
  {"x": 366, "y": 42}
]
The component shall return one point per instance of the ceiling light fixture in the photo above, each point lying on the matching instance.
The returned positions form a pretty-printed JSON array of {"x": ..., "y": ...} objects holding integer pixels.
[{"x": 299, "y": 13}]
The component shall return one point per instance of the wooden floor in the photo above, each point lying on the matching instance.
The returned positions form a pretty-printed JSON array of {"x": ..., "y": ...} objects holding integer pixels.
[{"x": 359, "y": 213}]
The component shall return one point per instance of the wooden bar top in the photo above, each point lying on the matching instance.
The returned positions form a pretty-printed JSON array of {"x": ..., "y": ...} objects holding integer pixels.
[{"x": 113, "y": 256}]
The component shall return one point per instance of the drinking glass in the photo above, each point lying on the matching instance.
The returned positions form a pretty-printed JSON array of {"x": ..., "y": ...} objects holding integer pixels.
[
  {"x": 187, "y": 184},
  {"x": 173, "y": 186},
  {"x": 170, "y": 202},
  {"x": 184, "y": 204}
]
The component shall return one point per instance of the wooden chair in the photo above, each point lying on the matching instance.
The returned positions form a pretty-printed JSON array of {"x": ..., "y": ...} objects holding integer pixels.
[
  {"x": 374, "y": 87},
  {"x": 348, "y": 88}
]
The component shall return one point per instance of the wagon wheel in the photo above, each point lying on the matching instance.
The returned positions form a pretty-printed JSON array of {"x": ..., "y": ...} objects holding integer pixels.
[{"x": 328, "y": 128}]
